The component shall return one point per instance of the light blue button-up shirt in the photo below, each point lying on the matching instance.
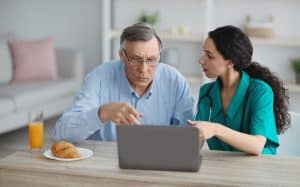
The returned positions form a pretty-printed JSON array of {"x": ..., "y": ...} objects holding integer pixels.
[{"x": 168, "y": 101}]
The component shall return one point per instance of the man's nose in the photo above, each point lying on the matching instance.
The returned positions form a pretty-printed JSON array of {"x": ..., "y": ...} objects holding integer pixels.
[{"x": 144, "y": 65}]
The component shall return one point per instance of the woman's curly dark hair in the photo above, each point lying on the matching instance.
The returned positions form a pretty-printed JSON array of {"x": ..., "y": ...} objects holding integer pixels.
[{"x": 233, "y": 44}]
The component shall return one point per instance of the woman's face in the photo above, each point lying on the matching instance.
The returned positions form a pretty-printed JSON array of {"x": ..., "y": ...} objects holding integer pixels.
[{"x": 212, "y": 62}]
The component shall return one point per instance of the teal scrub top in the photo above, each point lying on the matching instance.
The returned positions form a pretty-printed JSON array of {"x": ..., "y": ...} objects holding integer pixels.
[{"x": 254, "y": 98}]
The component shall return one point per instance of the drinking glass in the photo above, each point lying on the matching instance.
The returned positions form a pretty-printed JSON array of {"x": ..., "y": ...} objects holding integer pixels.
[{"x": 36, "y": 131}]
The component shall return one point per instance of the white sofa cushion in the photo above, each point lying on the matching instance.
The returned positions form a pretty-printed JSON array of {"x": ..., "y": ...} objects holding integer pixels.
[
  {"x": 27, "y": 94},
  {"x": 7, "y": 106},
  {"x": 6, "y": 70}
]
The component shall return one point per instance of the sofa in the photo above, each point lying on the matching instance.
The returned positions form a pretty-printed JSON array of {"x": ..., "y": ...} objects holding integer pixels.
[{"x": 50, "y": 96}]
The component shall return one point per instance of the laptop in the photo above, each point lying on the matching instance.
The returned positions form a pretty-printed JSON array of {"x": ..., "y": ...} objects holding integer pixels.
[{"x": 152, "y": 147}]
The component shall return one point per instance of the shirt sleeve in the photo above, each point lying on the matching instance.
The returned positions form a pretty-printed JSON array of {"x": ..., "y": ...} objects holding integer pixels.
[
  {"x": 263, "y": 116},
  {"x": 81, "y": 120},
  {"x": 184, "y": 103}
]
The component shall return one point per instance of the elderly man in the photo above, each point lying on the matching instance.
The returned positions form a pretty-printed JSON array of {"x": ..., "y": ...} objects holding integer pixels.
[{"x": 137, "y": 89}]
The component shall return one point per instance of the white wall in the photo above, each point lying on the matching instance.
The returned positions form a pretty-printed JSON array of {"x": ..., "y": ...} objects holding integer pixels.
[
  {"x": 73, "y": 23},
  {"x": 234, "y": 12},
  {"x": 172, "y": 13}
]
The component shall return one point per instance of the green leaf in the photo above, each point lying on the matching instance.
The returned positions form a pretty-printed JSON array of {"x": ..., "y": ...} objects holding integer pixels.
[
  {"x": 149, "y": 18},
  {"x": 296, "y": 64}
]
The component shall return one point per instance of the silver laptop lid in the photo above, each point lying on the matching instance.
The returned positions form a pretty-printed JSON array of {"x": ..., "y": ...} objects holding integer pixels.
[{"x": 158, "y": 147}]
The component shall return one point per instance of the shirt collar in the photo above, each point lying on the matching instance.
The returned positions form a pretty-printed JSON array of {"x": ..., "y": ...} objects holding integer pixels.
[
  {"x": 215, "y": 94},
  {"x": 239, "y": 95},
  {"x": 128, "y": 87},
  {"x": 236, "y": 101}
]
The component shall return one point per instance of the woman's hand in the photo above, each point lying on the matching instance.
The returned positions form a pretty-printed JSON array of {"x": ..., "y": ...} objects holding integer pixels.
[
  {"x": 206, "y": 129},
  {"x": 252, "y": 144}
]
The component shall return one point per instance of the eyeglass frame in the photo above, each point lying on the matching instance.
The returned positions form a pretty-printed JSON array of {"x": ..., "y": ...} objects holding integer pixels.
[{"x": 142, "y": 60}]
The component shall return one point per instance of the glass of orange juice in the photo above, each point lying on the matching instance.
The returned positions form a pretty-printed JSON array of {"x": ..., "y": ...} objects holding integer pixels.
[{"x": 36, "y": 131}]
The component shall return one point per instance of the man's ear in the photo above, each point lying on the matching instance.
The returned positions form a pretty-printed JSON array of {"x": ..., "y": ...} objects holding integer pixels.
[{"x": 121, "y": 55}]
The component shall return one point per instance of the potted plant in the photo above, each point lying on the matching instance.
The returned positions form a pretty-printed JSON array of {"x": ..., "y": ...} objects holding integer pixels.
[
  {"x": 149, "y": 18},
  {"x": 296, "y": 67}
]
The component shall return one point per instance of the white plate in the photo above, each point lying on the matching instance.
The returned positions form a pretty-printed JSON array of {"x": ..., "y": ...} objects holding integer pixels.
[{"x": 85, "y": 153}]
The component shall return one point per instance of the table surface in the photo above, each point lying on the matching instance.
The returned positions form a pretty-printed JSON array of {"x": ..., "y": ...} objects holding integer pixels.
[{"x": 218, "y": 168}]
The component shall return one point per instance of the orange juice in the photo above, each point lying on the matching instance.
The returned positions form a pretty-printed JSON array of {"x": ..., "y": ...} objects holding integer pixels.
[{"x": 36, "y": 135}]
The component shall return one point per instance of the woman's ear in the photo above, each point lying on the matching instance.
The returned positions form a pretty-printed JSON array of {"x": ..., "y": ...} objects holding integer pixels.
[{"x": 229, "y": 63}]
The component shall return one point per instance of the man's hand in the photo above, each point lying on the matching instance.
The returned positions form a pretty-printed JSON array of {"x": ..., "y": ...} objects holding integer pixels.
[{"x": 119, "y": 113}]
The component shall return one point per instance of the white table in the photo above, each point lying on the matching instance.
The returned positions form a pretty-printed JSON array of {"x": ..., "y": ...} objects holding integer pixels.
[{"x": 217, "y": 169}]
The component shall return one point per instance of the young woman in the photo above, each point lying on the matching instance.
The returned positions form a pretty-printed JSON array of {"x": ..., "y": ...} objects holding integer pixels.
[{"x": 246, "y": 106}]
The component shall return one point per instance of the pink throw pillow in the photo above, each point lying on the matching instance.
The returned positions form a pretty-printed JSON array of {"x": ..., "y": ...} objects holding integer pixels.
[{"x": 34, "y": 60}]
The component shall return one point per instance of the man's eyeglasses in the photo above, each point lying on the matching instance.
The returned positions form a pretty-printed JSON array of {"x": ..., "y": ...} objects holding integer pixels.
[{"x": 137, "y": 60}]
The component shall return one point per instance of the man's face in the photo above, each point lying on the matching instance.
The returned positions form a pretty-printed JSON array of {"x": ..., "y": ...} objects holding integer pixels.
[{"x": 141, "y": 59}]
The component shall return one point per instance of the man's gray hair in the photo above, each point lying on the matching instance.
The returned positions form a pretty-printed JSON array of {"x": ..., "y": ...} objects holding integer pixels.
[{"x": 139, "y": 32}]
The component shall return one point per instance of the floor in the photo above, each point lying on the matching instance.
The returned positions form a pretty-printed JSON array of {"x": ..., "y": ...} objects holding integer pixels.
[{"x": 16, "y": 140}]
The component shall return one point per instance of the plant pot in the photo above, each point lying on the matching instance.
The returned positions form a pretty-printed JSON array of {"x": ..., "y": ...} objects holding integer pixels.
[{"x": 298, "y": 78}]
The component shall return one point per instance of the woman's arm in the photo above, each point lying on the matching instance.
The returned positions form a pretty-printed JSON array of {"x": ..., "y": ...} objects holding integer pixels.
[{"x": 252, "y": 144}]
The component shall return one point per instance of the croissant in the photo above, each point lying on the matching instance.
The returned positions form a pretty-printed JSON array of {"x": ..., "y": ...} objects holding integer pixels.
[{"x": 64, "y": 149}]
